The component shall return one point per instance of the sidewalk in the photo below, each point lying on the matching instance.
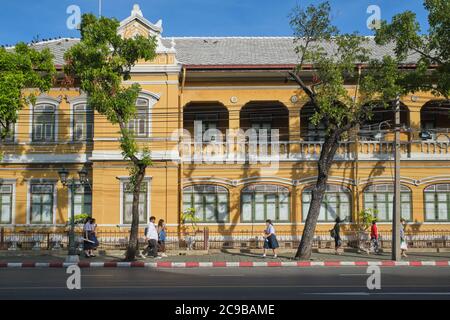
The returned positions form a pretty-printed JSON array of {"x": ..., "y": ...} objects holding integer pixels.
[{"x": 234, "y": 258}]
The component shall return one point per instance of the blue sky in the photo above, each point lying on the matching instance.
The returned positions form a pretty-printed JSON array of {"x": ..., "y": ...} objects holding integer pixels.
[{"x": 25, "y": 20}]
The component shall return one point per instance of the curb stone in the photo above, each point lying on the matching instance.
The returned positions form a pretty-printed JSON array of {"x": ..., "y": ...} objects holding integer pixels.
[{"x": 225, "y": 264}]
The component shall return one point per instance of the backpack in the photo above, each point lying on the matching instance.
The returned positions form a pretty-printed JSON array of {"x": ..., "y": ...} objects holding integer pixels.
[{"x": 333, "y": 233}]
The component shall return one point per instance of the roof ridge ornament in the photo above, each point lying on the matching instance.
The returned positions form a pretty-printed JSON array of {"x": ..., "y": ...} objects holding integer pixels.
[{"x": 136, "y": 11}]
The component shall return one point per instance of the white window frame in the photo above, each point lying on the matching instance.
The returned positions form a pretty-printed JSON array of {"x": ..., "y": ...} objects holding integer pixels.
[
  {"x": 72, "y": 104},
  {"x": 70, "y": 203},
  {"x": 432, "y": 189},
  {"x": 330, "y": 189},
  {"x": 122, "y": 181},
  {"x": 152, "y": 99},
  {"x": 403, "y": 190},
  {"x": 45, "y": 100},
  {"x": 13, "y": 183},
  {"x": 55, "y": 199}
]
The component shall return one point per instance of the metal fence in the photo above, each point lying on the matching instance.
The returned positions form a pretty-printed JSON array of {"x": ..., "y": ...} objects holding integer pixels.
[{"x": 206, "y": 239}]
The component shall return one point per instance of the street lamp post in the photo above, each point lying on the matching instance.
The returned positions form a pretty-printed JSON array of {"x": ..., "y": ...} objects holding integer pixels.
[{"x": 72, "y": 255}]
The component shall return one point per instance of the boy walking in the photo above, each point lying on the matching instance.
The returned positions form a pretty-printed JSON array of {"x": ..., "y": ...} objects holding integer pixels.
[{"x": 151, "y": 236}]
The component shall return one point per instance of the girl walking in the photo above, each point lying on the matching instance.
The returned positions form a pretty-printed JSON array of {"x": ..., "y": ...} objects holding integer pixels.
[
  {"x": 270, "y": 239},
  {"x": 403, "y": 243},
  {"x": 336, "y": 232},
  {"x": 88, "y": 244},
  {"x": 162, "y": 233}
]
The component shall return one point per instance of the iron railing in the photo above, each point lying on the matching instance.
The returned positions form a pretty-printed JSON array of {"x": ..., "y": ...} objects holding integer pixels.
[{"x": 206, "y": 239}]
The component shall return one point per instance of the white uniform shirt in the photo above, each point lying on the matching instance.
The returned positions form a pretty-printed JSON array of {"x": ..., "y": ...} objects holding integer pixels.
[
  {"x": 270, "y": 230},
  {"x": 152, "y": 233}
]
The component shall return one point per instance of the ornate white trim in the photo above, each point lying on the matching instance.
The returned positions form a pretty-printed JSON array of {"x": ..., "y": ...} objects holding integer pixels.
[
  {"x": 331, "y": 180},
  {"x": 45, "y": 158},
  {"x": 238, "y": 182},
  {"x": 430, "y": 180},
  {"x": 149, "y": 95},
  {"x": 116, "y": 155},
  {"x": 129, "y": 82},
  {"x": 154, "y": 68},
  {"x": 136, "y": 14},
  {"x": 387, "y": 179}
]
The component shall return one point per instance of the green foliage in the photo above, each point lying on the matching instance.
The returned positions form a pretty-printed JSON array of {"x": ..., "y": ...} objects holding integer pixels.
[
  {"x": 189, "y": 217},
  {"x": 333, "y": 65},
  {"x": 101, "y": 62},
  {"x": 433, "y": 48},
  {"x": 80, "y": 218},
  {"x": 366, "y": 217},
  {"x": 22, "y": 68}
]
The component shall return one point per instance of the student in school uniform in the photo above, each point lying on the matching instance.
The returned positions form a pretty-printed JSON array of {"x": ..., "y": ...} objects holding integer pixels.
[
  {"x": 162, "y": 233},
  {"x": 270, "y": 239}
]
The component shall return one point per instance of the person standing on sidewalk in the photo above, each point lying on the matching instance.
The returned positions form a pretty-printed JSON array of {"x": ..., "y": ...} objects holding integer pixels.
[
  {"x": 374, "y": 237},
  {"x": 151, "y": 235},
  {"x": 403, "y": 243},
  {"x": 336, "y": 234},
  {"x": 162, "y": 237},
  {"x": 88, "y": 244},
  {"x": 270, "y": 239}
]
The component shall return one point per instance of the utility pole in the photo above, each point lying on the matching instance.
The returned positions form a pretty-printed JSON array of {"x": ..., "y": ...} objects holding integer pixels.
[
  {"x": 397, "y": 186},
  {"x": 99, "y": 8}
]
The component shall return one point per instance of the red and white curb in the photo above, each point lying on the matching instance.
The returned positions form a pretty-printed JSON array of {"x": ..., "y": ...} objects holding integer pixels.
[{"x": 163, "y": 264}]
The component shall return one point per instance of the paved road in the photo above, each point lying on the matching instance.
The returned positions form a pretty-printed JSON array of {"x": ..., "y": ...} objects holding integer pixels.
[{"x": 229, "y": 283}]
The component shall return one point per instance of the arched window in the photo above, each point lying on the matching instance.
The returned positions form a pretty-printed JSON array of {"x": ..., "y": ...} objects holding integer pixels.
[
  {"x": 336, "y": 203},
  {"x": 261, "y": 202},
  {"x": 380, "y": 197},
  {"x": 44, "y": 123},
  {"x": 83, "y": 122},
  {"x": 437, "y": 202},
  {"x": 209, "y": 201},
  {"x": 140, "y": 124}
]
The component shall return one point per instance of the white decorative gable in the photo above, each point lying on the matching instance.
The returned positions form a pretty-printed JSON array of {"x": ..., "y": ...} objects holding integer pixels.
[{"x": 136, "y": 24}]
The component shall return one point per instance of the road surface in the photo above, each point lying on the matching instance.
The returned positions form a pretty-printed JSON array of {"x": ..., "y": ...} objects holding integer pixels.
[{"x": 227, "y": 283}]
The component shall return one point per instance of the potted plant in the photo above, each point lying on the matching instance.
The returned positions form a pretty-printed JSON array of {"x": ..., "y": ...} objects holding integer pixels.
[
  {"x": 366, "y": 217},
  {"x": 189, "y": 227}
]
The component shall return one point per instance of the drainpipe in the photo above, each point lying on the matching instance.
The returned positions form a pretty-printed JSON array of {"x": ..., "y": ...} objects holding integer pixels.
[
  {"x": 356, "y": 163},
  {"x": 180, "y": 146}
]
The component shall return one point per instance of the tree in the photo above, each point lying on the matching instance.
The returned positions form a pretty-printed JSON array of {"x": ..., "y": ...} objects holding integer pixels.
[
  {"x": 101, "y": 61},
  {"x": 21, "y": 68},
  {"x": 335, "y": 58},
  {"x": 433, "y": 49}
]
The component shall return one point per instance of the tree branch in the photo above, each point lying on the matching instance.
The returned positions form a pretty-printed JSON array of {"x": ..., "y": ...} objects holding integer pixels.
[{"x": 305, "y": 88}]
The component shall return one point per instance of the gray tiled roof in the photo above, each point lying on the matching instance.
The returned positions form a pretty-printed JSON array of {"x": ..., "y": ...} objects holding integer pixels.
[
  {"x": 227, "y": 50},
  {"x": 253, "y": 50}
]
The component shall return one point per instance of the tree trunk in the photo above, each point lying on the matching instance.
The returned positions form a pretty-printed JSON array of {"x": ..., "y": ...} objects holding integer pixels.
[
  {"x": 133, "y": 243},
  {"x": 327, "y": 154}
]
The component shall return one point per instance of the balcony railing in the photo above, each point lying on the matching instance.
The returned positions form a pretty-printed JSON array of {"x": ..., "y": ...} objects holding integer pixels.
[{"x": 305, "y": 150}]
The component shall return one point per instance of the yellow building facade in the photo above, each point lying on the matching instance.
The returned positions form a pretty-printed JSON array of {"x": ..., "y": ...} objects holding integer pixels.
[{"x": 193, "y": 93}]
